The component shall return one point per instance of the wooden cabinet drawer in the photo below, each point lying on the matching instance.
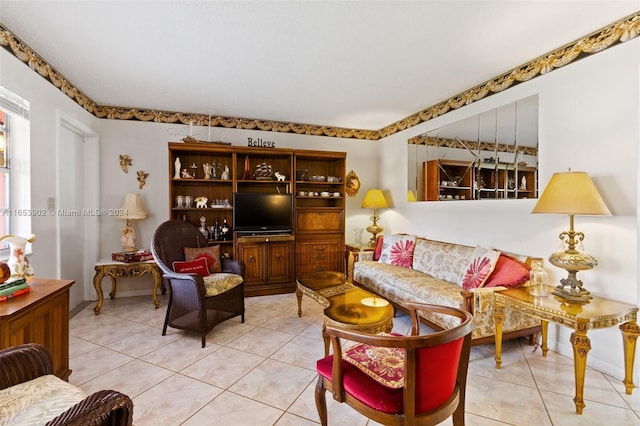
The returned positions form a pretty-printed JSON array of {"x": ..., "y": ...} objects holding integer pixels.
[
  {"x": 319, "y": 221},
  {"x": 314, "y": 256}
]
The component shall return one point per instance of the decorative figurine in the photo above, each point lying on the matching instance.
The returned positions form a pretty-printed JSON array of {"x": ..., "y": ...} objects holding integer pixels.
[
  {"x": 207, "y": 170},
  {"x": 280, "y": 177},
  {"x": 142, "y": 178},
  {"x": 203, "y": 225},
  {"x": 193, "y": 168},
  {"x": 225, "y": 173},
  {"x": 125, "y": 162},
  {"x": 177, "y": 165},
  {"x": 186, "y": 175},
  {"x": 201, "y": 202},
  {"x": 523, "y": 183}
]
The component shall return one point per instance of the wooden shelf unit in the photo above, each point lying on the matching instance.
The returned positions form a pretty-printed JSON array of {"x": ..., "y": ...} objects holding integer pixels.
[
  {"x": 273, "y": 262},
  {"x": 447, "y": 180}
]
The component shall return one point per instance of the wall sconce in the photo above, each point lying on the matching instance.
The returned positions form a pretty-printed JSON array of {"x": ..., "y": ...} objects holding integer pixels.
[
  {"x": 374, "y": 200},
  {"x": 131, "y": 210},
  {"x": 572, "y": 193}
]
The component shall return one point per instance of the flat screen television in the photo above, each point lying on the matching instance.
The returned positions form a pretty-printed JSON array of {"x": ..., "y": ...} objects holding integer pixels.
[{"x": 262, "y": 213}]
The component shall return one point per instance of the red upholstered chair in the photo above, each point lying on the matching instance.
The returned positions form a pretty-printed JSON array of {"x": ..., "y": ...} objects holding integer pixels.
[
  {"x": 400, "y": 380},
  {"x": 197, "y": 301}
]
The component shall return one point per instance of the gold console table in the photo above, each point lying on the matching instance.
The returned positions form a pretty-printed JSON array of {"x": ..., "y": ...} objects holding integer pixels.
[
  {"x": 114, "y": 270},
  {"x": 581, "y": 317}
]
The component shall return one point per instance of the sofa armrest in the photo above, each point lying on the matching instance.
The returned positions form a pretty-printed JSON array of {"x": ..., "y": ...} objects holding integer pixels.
[
  {"x": 22, "y": 363},
  {"x": 365, "y": 255},
  {"x": 105, "y": 407},
  {"x": 478, "y": 299}
]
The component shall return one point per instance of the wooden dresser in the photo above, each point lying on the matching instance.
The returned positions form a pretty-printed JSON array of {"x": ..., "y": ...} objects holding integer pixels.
[{"x": 41, "y": 316}]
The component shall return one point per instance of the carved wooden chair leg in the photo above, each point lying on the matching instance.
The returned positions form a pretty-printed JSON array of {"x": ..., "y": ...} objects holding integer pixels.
[{"x": 321, "y": 401}]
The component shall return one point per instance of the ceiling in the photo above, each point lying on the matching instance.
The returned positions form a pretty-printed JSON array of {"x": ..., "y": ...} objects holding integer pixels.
[{"x": 354, "y": 64}]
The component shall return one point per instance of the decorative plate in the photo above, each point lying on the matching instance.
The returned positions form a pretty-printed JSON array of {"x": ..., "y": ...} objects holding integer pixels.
[{"x": 352, "y": 184}]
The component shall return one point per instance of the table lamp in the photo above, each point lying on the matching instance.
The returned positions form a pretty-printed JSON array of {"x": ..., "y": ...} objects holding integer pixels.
[
  {"x": 374, "y": 200},
  {"x": 572, "y": 193},
  {"x": 131, "y": 210}
]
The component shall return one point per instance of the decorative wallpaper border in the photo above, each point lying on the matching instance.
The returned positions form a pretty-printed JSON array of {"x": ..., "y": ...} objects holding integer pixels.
[
  {"x": 621, "y": 31},
  {"x": 472, "y": 145}
]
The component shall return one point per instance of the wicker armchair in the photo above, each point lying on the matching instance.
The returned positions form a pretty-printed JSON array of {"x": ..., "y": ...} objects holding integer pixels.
[
  {"x": 31, "y": 360},
  {"x": 189, "y": 308}
]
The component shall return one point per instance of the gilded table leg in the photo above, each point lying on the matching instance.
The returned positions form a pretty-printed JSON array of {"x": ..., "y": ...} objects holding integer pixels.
[
  {"x": 97, "y": 284},
  {"x": 498, "y": 318},
  {"x": 157, "y": 282},
  {"x": 299, "y": 296},
  {"x": 581, "y": 346},
  {"x": 544, "y": 325},
  {"x": 114, "y": 285},
  {"x": 630, "y": 333}
]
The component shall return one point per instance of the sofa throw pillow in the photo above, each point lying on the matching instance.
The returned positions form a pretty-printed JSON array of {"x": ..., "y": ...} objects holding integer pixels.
[
  {"x": 378, "y": 250},
  {"x": 198, "y": 266},
  {"x": 509, "y": 272},
  {"x": 398, "y": 250},
  {"x": 384, "y": 365},
  {"x": 483, "y": 262},
  {"x": 211, "y": 253}
]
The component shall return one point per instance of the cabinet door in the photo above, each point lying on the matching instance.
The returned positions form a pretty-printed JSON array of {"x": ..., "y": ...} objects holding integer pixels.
[
  {"x": 279, "y": 255},
  {"x": 319, "y": 221},
  {"x": 50, "y": 324},
  {"x": 253, "y": 258},
  {"x": 21, "y": 330}
]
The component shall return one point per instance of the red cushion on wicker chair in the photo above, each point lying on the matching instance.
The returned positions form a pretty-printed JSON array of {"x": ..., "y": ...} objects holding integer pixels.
[
  {"x": 364, "y": 388},
  {"x": 438, "y": 367}
]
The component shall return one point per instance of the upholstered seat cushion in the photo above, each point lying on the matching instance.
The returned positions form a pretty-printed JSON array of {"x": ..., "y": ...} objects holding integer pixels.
[
  {"x": 365, "y": 388},
  {"x": 37, "y": 401},
  {"x": 219, "y": 283},
  {"x": 436, "y": 370}
]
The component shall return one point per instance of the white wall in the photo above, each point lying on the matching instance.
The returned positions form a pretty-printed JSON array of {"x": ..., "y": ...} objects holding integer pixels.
[
  {"x": 48, "y": 104},
  {"x": 588, "y": 121}
]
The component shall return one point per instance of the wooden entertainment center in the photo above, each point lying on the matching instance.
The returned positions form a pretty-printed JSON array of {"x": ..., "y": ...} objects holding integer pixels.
[{"x": 316, "y": 180}]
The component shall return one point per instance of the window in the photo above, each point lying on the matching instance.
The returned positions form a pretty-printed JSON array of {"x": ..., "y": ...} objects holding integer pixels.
[{"x": 15, "y": 193}]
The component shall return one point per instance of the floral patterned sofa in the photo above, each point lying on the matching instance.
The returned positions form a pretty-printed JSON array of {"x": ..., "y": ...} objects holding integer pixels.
[{"x": 415, "y": 269}]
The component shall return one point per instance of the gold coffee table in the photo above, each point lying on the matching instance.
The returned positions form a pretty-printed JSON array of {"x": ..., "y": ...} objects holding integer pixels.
[{"x": 343, "y": 303}]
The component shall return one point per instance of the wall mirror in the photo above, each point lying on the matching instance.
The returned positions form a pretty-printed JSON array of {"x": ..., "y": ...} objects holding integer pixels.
[{"x": 493, "y": 155}]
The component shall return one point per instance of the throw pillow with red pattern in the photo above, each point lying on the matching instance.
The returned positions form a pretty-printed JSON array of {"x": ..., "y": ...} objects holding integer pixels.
[
  {"x": 483, "y": 262},
  {"x": 398, "y": 250}
]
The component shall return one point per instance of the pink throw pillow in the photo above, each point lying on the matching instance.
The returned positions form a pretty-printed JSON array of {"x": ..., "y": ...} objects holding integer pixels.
[
  {"x": 198, "y": 266},
  {"x": 378, "y": 251},
  {"x": 398, "y": 250},
  {"x": 483, "y": 262},
  {"x": 509, "y": 272}
]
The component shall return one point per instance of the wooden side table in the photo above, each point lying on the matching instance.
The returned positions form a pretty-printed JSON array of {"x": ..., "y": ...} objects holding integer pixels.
[
  {"x": 352, "y": 251},
  {"x": 114, "y": 269},
  {"x": 597, "y": 313}
]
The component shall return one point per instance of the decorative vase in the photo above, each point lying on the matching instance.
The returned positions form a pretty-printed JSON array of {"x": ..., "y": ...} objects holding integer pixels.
[
  {"x": 358, "y": 235},
  {"x": 18, "y": 262}
]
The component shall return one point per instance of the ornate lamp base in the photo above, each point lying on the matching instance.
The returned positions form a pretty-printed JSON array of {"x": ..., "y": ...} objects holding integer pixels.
[{"x": 572, "y": 261}]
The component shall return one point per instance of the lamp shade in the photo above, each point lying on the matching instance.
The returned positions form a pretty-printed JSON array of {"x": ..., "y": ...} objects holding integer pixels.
[
  {"x": 411, "y": 197},
  {"x": 374, "y": 200},
  {"x": 571, "y": 193},
  {"x": 132, "y": 207}
]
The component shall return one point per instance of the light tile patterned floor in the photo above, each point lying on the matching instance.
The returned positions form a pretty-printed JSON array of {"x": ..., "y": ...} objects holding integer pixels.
[{"x": 262, "y": 372}]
